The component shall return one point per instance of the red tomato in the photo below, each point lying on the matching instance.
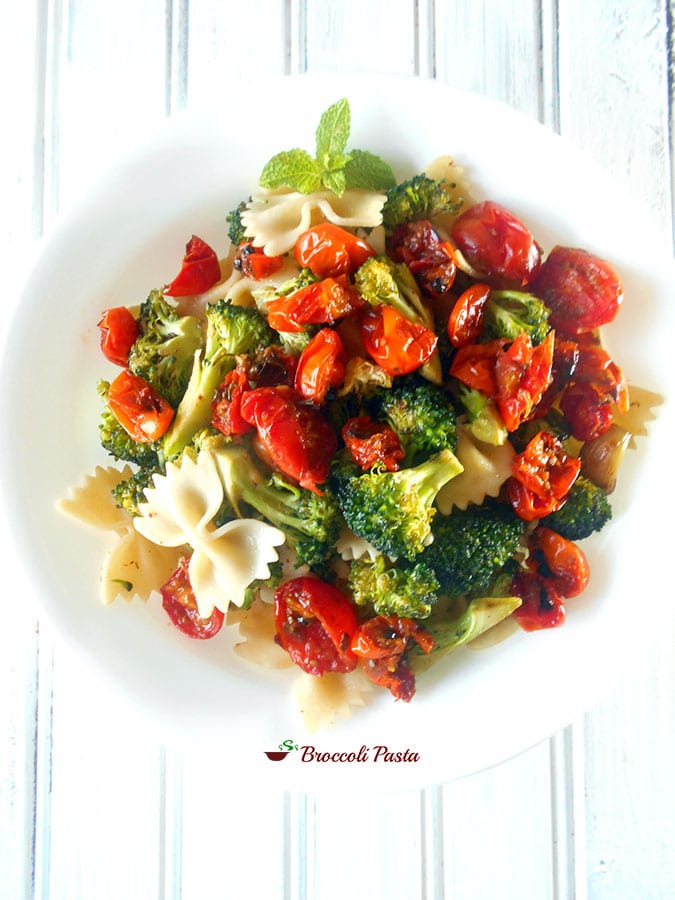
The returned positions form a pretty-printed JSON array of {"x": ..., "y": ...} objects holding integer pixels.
[
  {"x": 397, "y": 345},
  {"x": 542, "y": 605},
  {"x": 474, "y": 365},
  {"x": 527, "y": 504},
  {"x": 321, "y": 366},
  {"x": 560, "y": 561},
  {"x": 118, "y": 334},
  {"x": 466, "y": 319},
  {"x": 372, "y": 443},
  {"x": 139, "y": 409},
  {"x": 328, "y": 250},
  {"x": 381, "y": 644},
  {"x": 596, "y": 367},
  {"x": 180, "y": 603},
  {"x": 296, "y": 437},
  {"x": 226, "y": 404},
  {"x": 542, "y": 476},
  {"x": 431, "y": 260},
  {"x": 199, "y": 272},
  {"x": 565, "y": 360},
  {"x": 522, "y": 374},
  {"x": 321, "y": 303},
  {"x": 582, "y": 291},
  {"x": 588, "y": 411},
  {"x": 254, "y": 263},
  {"x": 315, "y": 624},
  {"x": 497, "y": 245}
]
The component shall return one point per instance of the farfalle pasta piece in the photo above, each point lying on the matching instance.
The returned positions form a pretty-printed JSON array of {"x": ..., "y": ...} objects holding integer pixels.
[
  {"x": 180, "y": 508},
  {"x": 486, "y": 468},
  {"x": 92, "y": 502},
  {"x": 257, "y": 631},
  {"x": 331, "y": 697},
  {"x": 135, "y": 567},
  {"x": 242, "y": 291},
  {"x": 640, "y": 412},
  {"x": 350, "y": 546},
  {"x": 275, "y": 219}
]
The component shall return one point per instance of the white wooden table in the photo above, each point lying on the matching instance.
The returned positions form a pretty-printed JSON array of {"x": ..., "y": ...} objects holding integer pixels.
[{"x": 89, "y": 808}]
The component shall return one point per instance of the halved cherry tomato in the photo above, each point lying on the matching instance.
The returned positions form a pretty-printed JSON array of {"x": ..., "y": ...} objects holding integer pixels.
[
  {"x": 497, "y": 245},
  {"x": 596, "y": 367},
  {"x": 542, "y": 476},
  {"x": 199, "y": 272},
  {"x": 466, "y": 319},
  {"x": 397, "y": 345},
  {"x": 254, "y": 263},
  {"x": 296, "y": 437},
  {"x": 542, "y": 605},
  {"x": 372, "y": 443},
  {"x": 588, "y": 411},
  {"x": 527, "y": 505},
  {"x": 582, "y": 291},
  {"x": 558, "y": 560},
  {"x": 381, "y": 644},
  {"x": 180, "y": 604},
  {"x": 431, "y": 260},
  {"x": 522, "y": 374},
  {"x": 321, "y": 366},
  {"x": 328, "y": 250},
  {"x": 474, "y": 365},
  {"x": 315, "y": 624},
  {"x": 226, "y": 404},
  {"x": 320, "y": 303},
  {"x": 565, "y": 360},
  {"x": 118, "y": 334},
  {"x": 140, "y": 410}
]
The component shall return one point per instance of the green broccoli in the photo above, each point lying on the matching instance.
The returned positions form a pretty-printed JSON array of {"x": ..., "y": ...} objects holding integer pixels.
[
  {"x": 418, "y": 198},
  {"x": 236, "y": 230},
  {"x": 129, "y": 493},
  {"x": 420, "y": 413},
  {"x": 163, "y": 352},
  {"x": 470, "y": 547},
  {"x": 311, "y": 522},
  {"x": 275, "y": 578},
  {"x": 585, "y": 511},
  {"x": 117, "y": 442},
  {"x": 507, "y": 313},
  {"x": 230, "y": 331},
  {"x": 393, "y": 510},
  {"x": 380, "y": 281},
  {"x": 484, "y": 420},
  {"x": 393, "y": 589}
]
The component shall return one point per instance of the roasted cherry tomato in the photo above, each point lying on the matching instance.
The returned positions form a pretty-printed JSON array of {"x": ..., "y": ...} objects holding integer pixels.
[
  {"x": 397, "y": 345},
  {"x": 565, "y": 360},
  {"x": 542, "y": 605},
  {"x": 542, "y": 476},
  {"x": 296, "y": 437},
  {"x": 588, "y": 411},
  {"x": 431, "y": 260},
  {"x": 582, "y": 291},
  {"x": 254, "y": 263},
  {"x": 320, "y": 303},
  {"x": 466, "y": 319},
  {"x": 315, "y": 624},
  {"x": 595, "y": 366},
  {"x": 328, "y": 250},
  {"x": 474, "y": 365},
  {"x": 522, "y": 374},
  {"x": 199, "y": 272},
  {"x": 180, "y": 603},
  {"x": 139, "y": 409},
  {"x": 558, "y": 560},
  {"x": 118, "y": 334},
  {"x": 321, "y": 366},
  {"x": 497, "y": 245},
  {"x": 372, "y": 443},
  {"x": 226, "y": 404},
  {"x": 381, "y": 644}
]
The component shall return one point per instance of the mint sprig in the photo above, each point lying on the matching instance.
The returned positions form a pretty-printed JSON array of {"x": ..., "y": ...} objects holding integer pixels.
[{"x": 332, "y": 168}]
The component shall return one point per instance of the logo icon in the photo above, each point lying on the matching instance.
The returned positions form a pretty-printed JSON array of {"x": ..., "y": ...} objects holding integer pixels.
[{"x": 285, "y": 747}]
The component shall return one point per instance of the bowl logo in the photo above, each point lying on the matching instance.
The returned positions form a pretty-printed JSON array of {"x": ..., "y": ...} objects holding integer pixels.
[{"x": 285, "y": 748}]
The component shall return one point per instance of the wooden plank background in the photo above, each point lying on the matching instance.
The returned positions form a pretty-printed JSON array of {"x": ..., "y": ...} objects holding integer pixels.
[{"x": 89, "y": 809}]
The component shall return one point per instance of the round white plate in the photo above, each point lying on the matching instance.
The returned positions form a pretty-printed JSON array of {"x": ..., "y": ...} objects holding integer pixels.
[{"x": 477, "y": 707}]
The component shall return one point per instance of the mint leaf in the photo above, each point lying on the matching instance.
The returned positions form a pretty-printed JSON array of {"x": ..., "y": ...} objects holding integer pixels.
[
  {"x": 335, "y": 181},
  {"x": 368, "y": 171},
  {"x": 294, "y": 169},
  {"x": 332, "y": 133}
]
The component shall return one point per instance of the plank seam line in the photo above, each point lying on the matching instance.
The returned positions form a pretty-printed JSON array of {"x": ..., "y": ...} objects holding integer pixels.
[{"x": 670, "y": 74}]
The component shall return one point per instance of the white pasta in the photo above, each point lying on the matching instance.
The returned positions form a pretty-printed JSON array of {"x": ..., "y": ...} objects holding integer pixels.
[
  {"x": 257, "y": 632},
  {"x": 92, "y": 503},
  {"x": 275, "y": 219},
  {"x": 350, "y": 546},
  {"x": 135, "y": 567},
  {"x": 486, "y": 468},
  {"x": 332, "y": 696}
]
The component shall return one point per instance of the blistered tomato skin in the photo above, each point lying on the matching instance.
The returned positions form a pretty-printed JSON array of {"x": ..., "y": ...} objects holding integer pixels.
[
  {"x": 497, "y": 245},
  {"x": 328, "y": 250},
  {"x": 582, "y": 291}
]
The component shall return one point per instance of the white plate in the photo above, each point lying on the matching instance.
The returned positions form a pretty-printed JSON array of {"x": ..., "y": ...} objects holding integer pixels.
[{"x": 477, "y": 707}]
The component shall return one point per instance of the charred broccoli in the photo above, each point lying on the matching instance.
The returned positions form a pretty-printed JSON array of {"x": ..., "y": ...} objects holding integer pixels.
[
  {"x": 418, "y": 198},
  {"x": 585, "y": 511}
]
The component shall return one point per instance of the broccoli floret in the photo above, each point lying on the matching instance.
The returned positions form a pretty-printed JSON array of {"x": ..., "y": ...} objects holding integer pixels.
[
  {"x": 418, "y": 198},
  {"x": 271, "y": 583},
  {"x": 393, "y": 510},
  {"x": 163, "y": 353},
  {"x": 129, "y": 493},
  {"x": 420, "y": 413},
  {"x": 585, "y": 511},
  {"x": 236, "y": 230},
  {"x": 484, "y": 420},
  {"x": 380, "y": 281},
  {"x": 117, "y": 442},
  {"x": 230, "y": 331},
  {"x": 470, "y": 547},
  {"x": 393, "y": 589},
  {"x": 507, "y": 313},
  {"x": 311, "y": 522}
]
